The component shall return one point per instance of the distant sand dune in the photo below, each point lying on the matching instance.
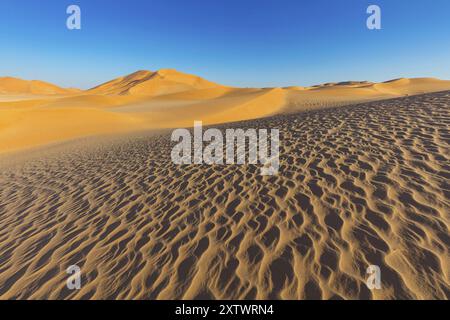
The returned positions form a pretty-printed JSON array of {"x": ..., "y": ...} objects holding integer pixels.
[
  {"x": 358, "y": 185},
  {"x": 9, "y": 85},
  {"x": 34, "y": 113},
  {"x": 165, "y": 81}
]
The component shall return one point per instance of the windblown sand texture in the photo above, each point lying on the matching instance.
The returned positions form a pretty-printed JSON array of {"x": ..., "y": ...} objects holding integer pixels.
[
  {"x": 34, "y": 113},
  {"x": 358, "y": 185}
]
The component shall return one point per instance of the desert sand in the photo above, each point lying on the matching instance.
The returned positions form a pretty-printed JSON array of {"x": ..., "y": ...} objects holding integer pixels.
[
  {"x": 86, "y": 179},
  {"x": 362, "y": 184},
  {"x": 35, "y": 113}
]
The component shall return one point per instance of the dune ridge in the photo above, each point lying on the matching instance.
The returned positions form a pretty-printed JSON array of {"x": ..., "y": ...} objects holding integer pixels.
[{"x": 165, "y": 99}]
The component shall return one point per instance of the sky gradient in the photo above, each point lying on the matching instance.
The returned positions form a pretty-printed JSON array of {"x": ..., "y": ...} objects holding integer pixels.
[{"x": 244, "y": 43}]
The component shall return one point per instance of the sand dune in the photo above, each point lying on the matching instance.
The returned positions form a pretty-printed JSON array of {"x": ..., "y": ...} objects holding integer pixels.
[
  {"x": 412, "y": 86},
  {"x": 350, "y": 92},
  {"x": 9, "y": 85},
  {"x": 358, "y": 185},
  {"x": 33, "y": 127},
  {"x": 150, "y": 83},
  {"x": 34, "y": 113}
]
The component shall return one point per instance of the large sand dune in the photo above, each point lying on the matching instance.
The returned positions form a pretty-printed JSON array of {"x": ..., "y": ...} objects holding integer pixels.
[
  {"x": 150, "y": 83},
  {"x": 358, "y": 185},
  {"x": 34, "y": 113}
]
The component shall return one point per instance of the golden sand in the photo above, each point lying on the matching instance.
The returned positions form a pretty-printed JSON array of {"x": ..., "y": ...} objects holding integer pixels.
[
  {"x": 359, "y": 185},
  {"x": 34, "y": 113},
  {"x": 363, "y": 181}
]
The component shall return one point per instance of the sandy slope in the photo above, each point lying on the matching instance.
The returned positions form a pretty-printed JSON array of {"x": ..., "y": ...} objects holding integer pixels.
[
  {"x": 358, "y": 185},
  {"x": 10, "y": 85},
  {"x": 30, "y": 116},
  {"x": 165, "y": 81}
]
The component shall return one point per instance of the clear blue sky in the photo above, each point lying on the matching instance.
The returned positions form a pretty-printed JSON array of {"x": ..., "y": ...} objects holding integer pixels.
[{"x": 233, "y": 42}]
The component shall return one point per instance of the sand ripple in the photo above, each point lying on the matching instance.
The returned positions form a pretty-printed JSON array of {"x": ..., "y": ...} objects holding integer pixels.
[{"x": 359, "y": 185}]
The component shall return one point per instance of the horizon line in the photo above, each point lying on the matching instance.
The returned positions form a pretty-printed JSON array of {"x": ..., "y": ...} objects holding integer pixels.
[{"x": 342, "y": 82}]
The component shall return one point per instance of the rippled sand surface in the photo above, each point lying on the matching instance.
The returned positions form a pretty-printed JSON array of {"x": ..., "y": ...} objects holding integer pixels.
[{"x": 361, "y": 185}]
